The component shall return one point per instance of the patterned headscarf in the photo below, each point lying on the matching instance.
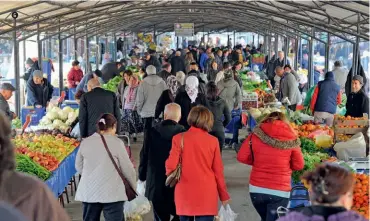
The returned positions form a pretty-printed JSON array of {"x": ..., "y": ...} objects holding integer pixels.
[
  {"x": 191, "y": 87},
  {"x": 172, "y": 84}
]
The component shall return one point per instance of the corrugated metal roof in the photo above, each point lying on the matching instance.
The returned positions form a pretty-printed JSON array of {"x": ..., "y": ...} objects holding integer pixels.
[{"x": 290, "y": 18}]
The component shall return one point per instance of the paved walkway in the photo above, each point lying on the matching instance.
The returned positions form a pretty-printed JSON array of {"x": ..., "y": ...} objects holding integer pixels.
[{"x": 237, "y": 177}]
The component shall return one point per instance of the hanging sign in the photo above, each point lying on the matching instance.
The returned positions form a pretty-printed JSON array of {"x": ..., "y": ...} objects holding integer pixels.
[{"x": 184, "y": 29}]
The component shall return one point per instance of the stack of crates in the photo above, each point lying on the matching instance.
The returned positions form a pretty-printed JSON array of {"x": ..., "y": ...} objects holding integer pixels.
[{"x": 71, "y": 93}]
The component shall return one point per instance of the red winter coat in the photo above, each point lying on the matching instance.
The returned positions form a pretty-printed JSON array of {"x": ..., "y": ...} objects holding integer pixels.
[
  {"x": 277, "y": 153},
  {"x": 202, "y": 179},
  {"x": 73, "y": 77}
]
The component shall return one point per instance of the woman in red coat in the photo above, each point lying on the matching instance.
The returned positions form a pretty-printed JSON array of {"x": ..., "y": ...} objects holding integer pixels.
[
  {"x": 273, "y": 150},
  {"x": 202, "y": 179},
  {"x": 75, "y": 75}
]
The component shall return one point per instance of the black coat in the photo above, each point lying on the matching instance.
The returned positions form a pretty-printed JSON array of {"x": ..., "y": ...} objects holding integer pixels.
[
  {"x": 93, "y": 104},
  {"x": 109, "y": 71},
  {"x": 39, "y": 94},
  {"x": 152, "y": 61},
  {"x": 165, "y": 98},
  {"x": 184, "y": 101},
  {"x": 164, "y": 75},
  {"x": 357, "y": 104},
  {"x": 27, "y": 75},
  {"x": 156, "y": 149},
  {"x": 221, "y": 113},
  {"x": 177, "y": 64}
]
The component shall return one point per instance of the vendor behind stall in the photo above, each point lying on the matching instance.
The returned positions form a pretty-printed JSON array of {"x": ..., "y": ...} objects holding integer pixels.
[
  {"x": 6, "y": 92},
  {"x": 39, "y": 90},
  {"x": 357, "y": 101}
]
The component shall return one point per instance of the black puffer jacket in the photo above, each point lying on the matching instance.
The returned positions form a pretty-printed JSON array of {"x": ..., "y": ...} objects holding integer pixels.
[{"x": 153, "y": 155}]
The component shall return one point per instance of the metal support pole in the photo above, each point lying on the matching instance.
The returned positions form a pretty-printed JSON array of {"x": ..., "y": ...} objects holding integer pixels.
[
  {"x": 87, "y": 57},
  {"x": 124, "y": 45},
  {"x": 114, "y": 53},
  {"x": 252, "y": 41},
  {"x": 310, "y": 61},
  {"x": 49, "y": 51},
  {"x": 75, "y": 44},
  {"x": 16, "y": 69},
  {"x": 39, "y": 47},
  {"x": 60, "y": 59},
  {"x": 24, "y": 53},
  {"x": 228, "y": 40},
  {"x": 177, "y": 41},
  {"x": 234, "y": 39},
  {"x": 264, "y": 50},
  {"x": 327, "y": 51},
  {"x": 258, "y": 40},
  {"x": 286, "y": 49},
  {"x": 296, "y": 46},
  {"x": 356, "y": 57},
  {"x": 276, "y": 37},
  {"x": 97, "y": 57},
  {"x": 154, "y": 35}
]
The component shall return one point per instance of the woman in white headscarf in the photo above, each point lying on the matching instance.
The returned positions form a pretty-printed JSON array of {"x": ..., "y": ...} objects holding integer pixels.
[
  {"x": 167, "y": 96},
  {"x": 189, "y": 98}
]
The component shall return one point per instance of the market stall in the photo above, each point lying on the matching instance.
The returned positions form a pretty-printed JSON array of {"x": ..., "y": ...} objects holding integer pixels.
[{"x": 346, "y": 143}]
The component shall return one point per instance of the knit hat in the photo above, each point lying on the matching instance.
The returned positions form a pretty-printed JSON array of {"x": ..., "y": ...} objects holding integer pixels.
[
  {"x": 358, "y": 78},
  {"x": 29, "y": 61},
  {"x": 228, "y": 75},
  {"x": 37, "y": 73}
]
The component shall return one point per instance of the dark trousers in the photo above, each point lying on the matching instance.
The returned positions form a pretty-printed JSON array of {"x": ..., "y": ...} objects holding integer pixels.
[
  {"x": 163, "y": 211},
  {"x": 111, "y": 211},
  {"x": 197, "y": 218},
  {"x": 266, "y": 205},
  {"x": 293, "y": 107},
  {"x": 148, "y": 123},
  {"x": 220, "y": 135}
]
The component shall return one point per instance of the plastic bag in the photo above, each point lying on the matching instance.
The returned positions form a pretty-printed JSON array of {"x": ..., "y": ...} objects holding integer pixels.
[
  {"x": 226, "y": 214},
  {"x": 134, "y": 209},
  {"x": 354, "y": 147},
  {"x": 140, "y": 187}
]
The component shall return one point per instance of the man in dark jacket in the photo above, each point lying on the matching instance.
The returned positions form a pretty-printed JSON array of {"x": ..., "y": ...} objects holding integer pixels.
[
  {"x": 177, "y": 63},
  {"x": 95, "y": 103},
  {"x": 325, "y": 99},
  {"x": 6, "y": 92},
  {"x": 109, "y": 71},
  {"x": 31, "y": 66},
  {"x": 357, "y": 101},
  {"x": 166, "y": 71},
  {"x": 218, "y": 59},
  {"x": 153, "y": 155},
  {"x": 151, "y": 60},
  {"x": 39, "y": 90}
]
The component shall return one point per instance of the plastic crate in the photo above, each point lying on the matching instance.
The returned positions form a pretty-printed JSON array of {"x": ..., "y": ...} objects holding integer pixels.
[
  {"x": 46, "y": 68},
  {"x": 71, "y": 93},
  {"x": 69, "y": 103},
  {"x": 36, "y": 115}
]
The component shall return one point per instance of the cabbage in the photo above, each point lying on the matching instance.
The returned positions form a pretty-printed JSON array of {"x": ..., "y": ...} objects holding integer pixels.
[
  {"x": 67, "y": 109},
  {"x": 255, "y": 113},
  {"x": 266, "y": 111},
  {"x": 63, "y": 115},
  {"x": 45, "y": 121},
  {"x": 72, "y": 116},
  {"x": 52, "y": 115}
]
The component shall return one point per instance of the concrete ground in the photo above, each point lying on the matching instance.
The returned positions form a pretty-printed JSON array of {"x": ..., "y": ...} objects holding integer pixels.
[{"x": 236, "y": 175}]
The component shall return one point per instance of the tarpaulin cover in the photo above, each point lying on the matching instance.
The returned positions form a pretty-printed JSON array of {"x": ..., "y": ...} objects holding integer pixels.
[{"x": 63, "y": 174}]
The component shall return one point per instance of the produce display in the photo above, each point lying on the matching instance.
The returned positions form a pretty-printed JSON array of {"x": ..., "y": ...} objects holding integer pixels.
[
  {"x": 26, "y": 165},
  {"x": 112, "y": 84},
  {"x": 361, "y": 195},
  {"x": 310, "y": 162},
  {"x": 16, "y": 123},
  {"x": 58, "y": 147},
  {"x": 259, "y": 113},
  {"x": 308, "y": 130},
  {"x": 44, "y": 160},
  {"x": 60, "y": 119},
  {"x": 258, "y": 58}
]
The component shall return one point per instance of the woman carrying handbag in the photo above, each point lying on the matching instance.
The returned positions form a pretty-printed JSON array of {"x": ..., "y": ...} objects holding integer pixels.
[
  {"x": 195, "y": 167},
  {"x": 105, "y": 185}
]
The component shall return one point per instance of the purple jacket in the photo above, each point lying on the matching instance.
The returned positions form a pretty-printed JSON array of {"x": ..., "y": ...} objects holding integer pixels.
[{"x": 342, "y": 216}]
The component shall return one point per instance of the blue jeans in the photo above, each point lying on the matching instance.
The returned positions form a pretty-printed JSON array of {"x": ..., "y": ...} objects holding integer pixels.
[
  {"x": 197, "y": 218},
  {"x": 111, "y": 211}
]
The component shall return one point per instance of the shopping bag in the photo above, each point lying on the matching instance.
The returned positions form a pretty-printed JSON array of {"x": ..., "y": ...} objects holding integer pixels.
[
  {"x": 226, "y": 214},
  {"x": 140, "y": 187},
  {"x": 136, "y": 208},
  {"x": 354, "y": 147}
]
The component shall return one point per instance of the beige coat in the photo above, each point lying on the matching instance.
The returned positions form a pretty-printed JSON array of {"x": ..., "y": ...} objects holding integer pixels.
[{"x": 31, "y": 196}]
